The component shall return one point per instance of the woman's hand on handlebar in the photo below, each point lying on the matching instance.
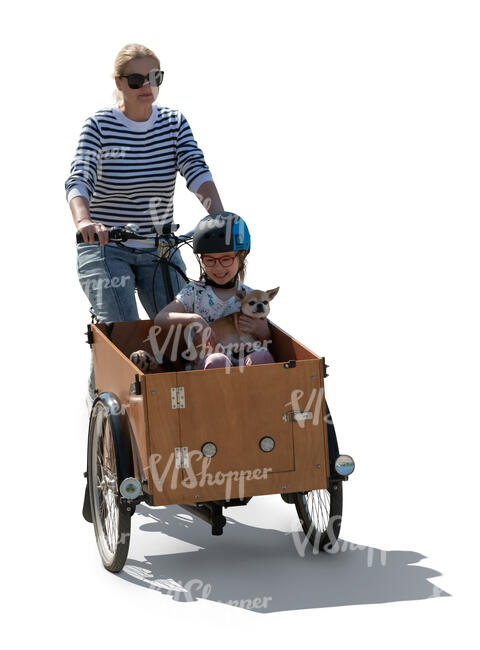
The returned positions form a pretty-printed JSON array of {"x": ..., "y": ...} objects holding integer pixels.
[{"x": 89, "y": 228}]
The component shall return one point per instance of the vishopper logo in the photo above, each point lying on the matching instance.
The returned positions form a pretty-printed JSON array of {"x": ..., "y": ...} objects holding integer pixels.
[
  {"x": 227, "y": 220},
  {"x": 205, "y": 201},
  {"x": 114, "y": 152},
  {"x": 187, "y": 592},
  {"x": 118, "y": 408},
  {"x": 203, "y": 477},
  {"x": 94, "y": 287},
  {"x": 196, "y": 588},
  {"x": 298, "y": 404},
  {"x": 257, "y": 602},
  {"x": 331, "y": 544},
  {"x": 237, "y": 352},
  {"x": 169, "y": 586},
  {"x": 90, "y": 163},
  {"x": 196, "y": 338},
  {"x": 160, "y": 211},
  {"x": 124, "y": 539}
]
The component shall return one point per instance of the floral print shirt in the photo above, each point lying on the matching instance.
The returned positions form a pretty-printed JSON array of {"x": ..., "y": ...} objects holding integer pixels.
[{"x": 199, "y": 298}]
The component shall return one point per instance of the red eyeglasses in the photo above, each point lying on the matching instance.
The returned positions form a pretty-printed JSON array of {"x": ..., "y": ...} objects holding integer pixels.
[{"x": 225, "y": 261}]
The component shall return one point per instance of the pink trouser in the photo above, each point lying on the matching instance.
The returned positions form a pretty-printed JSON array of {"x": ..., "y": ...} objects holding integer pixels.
[{"x": 220, "y": 360}]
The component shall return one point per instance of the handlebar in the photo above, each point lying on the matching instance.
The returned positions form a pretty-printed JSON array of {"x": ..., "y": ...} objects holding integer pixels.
[
  {"x": 118, "y": 234},
  {"x": 166, "y": 243}
]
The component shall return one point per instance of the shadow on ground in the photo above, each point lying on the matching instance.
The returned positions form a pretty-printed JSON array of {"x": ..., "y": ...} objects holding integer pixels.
[{"x": 265, "y": 570}]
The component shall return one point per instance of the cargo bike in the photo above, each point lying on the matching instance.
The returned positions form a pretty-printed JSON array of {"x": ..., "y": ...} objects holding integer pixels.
[{"x": 205, "y": 440}]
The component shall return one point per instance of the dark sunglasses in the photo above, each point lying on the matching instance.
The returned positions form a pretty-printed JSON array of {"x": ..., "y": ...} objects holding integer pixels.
[{"x": 136, "y": 80}]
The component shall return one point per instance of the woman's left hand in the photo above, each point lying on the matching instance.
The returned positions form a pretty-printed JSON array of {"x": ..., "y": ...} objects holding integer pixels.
[{"x": 256, "y": 326}]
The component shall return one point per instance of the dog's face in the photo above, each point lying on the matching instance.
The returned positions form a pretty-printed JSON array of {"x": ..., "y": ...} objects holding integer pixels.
[{"x": 256, "y": 303}]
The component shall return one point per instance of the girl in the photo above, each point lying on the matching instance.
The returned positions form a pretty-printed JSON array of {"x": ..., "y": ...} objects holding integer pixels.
[{"x": 223, "y": 241}]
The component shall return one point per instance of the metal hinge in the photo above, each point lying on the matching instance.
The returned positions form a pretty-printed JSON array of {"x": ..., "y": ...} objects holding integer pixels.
[
  {"x": 177, "y": 396},
  {"x": 297, "y": 416},
  {"x": 181, "y": 458}
]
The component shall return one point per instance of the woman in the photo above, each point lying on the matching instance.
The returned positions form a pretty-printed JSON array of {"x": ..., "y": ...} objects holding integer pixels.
[{"x": 124, "y": 171}]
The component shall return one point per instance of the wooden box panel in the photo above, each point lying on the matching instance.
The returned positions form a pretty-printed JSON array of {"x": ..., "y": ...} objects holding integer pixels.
[
  {"x": 234, "y": 410},
  {"x": 129, "y": 336},
  {"x": 164, "y": 436}
]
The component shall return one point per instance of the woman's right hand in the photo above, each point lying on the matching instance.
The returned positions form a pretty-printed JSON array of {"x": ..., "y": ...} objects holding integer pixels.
[{"x": 88, "y": 228}]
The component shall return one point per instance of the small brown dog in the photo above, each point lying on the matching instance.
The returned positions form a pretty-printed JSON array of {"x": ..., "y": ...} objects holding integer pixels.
[{"x": 230, "y": 339}]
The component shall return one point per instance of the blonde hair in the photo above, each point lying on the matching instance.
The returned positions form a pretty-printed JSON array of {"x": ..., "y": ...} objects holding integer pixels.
[
  {"x": 129, "y": 53},
  {"x": 242, "y": 266}
]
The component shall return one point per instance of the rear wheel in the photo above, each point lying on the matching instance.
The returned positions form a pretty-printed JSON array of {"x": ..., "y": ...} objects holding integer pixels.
[{"x": 111, "y": 520}]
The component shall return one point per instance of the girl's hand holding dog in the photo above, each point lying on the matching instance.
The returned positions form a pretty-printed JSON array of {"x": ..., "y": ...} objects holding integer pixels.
[
  {"x": 256, "y": 326},
  {"x": 205, "y": 339}
]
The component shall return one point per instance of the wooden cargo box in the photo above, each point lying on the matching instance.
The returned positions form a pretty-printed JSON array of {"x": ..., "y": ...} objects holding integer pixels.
[{"x": 172, "y": 414}]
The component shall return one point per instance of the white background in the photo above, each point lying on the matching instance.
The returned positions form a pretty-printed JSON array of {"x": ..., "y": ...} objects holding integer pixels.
[{"x": 347, "y": 135}]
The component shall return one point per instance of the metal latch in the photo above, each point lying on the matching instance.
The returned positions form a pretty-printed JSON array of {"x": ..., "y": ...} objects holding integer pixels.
[
  {"x": 177, "y": 396},
  {"x": 135, "y": 387},
  {"x": 181, "y": 458},
  {"x": 89, "y": 334},
  {"x": 325, "y": 366},
  {"x": 297, "y": 416}
]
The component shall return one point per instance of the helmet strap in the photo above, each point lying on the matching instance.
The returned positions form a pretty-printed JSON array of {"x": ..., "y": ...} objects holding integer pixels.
[{"x": 227, "y": 285}]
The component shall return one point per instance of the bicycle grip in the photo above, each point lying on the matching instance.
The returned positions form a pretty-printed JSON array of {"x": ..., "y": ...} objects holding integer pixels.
[{"x": 80, "y": 237}]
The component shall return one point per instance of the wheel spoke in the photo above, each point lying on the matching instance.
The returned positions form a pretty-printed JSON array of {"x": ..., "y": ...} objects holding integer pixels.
[
  {"x": 106, "y": 488},
  {"x": 110, "y": 522},
  {"x": 317, "y": 504}
]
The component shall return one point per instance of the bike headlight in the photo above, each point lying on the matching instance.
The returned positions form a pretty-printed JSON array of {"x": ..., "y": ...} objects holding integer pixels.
[
  {"x": 130, "y": 488},
  {"x": 344, "y": 465}
]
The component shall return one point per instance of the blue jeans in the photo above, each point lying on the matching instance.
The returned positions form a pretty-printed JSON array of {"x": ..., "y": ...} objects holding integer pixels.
[{"x": 110, "y": 274}]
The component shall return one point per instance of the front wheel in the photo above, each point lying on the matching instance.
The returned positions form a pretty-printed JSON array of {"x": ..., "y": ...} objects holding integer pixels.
[
  {"x": 320, "y": 513},
  {"x": 111, "y": 520}
]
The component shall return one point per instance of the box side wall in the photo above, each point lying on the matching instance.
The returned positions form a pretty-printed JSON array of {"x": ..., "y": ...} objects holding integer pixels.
[{"x": 114, "y": 373}]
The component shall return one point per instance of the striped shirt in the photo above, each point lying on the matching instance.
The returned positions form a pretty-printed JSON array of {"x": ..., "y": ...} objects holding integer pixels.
[{"x": 127, "y": 169}]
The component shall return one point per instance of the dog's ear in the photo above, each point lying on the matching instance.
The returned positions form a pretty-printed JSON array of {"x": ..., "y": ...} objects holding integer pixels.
[
  {"x": 272, "y": 293},
  {"x": 241, "y": 293}
]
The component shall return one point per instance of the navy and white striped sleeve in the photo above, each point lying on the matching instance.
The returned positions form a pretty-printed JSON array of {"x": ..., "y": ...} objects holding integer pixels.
[
  {"x": 85, "y": 166},
  {"x": 189, "y": 158}
]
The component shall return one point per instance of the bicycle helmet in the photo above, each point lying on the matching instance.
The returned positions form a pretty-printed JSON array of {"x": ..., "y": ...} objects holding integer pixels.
[{"x": 221, "y": 232}]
